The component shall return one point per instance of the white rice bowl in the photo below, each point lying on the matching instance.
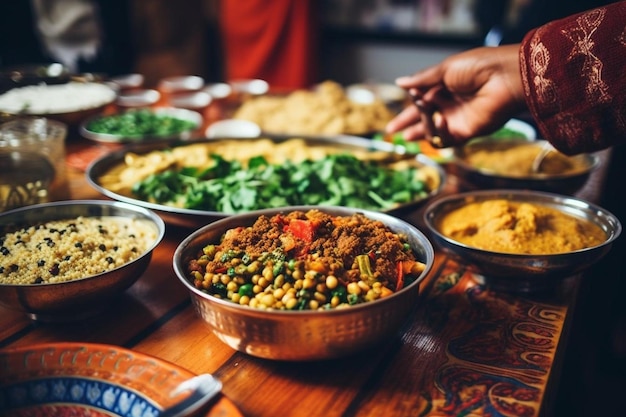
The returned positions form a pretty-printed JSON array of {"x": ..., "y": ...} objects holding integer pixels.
[{"x": 45, "y": 99}]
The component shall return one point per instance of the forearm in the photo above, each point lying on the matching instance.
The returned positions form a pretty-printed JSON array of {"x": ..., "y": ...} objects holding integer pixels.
[{"x": 572, "y": 73}]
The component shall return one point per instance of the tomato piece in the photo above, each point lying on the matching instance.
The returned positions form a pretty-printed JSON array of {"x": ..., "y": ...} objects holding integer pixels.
[{"x": 302, "y": 229}]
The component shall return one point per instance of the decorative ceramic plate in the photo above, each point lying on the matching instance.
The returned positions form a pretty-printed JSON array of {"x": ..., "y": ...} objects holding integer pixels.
[{"x": 70, "y": 379}]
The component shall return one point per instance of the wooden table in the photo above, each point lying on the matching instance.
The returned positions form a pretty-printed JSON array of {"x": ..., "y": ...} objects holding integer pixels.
[{"x": 466, "y": 350}]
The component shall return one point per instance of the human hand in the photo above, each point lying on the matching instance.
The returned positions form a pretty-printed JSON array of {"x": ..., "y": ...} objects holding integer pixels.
[{"x": 467, "y": 95}]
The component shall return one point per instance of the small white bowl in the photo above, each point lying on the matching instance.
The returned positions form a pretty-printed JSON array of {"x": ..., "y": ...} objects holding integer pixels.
[
  {"x": 128, "y": 81},
  {"x": 218, "y": 90},
  {"x": 138, "y": 98},
  {"x": 193, "y": 101},
  {"x": 253, "y": 87},
  {"x": 181, "y": 83},
  {"x": 233, "y": 128}
]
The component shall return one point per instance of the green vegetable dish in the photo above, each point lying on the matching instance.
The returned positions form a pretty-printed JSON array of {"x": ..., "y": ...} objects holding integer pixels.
[
  {"x": 305, "y": 261},
  {"x": 229, "y": 187},
  {"x": 140, "y": 123}
]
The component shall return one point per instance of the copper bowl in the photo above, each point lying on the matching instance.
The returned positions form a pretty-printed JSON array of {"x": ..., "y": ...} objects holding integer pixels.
[
  {"x": 524, "y": 272},
  {"x": 80, "y": 298},
  {"x": 303, "y": 335}
]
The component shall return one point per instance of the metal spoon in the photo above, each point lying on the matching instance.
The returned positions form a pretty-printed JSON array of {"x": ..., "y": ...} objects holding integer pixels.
[
  {"x": 203, "y": 388},
  {"x": 535, "y": 167}
]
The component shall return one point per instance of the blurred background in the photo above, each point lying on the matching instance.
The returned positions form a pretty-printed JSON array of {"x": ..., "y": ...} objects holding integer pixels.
[
  {"x": 347, "y": 41},
  {"x": 296, "y": 44}
]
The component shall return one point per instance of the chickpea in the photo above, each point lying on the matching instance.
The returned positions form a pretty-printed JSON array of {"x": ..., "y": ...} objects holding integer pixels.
[
  {"x": 253, "y": 268},
  {"x": 279, "y": 281},
  {"x": 263, "y": 282},
  {"x": 319, "y": 296},
  {"x": 279, "y": 293},
  {"x": 268, "y": 273},
  {"x": 268, "y": 300},
  {"x": 353, "y": 288},
  {"x": 291, "y": 303},
  {"x": 244, "y": 300},
  {"x": 331, "y": 282}
]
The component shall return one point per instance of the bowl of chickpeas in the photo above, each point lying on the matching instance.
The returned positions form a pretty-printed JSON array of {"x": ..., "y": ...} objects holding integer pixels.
[
  {"x": 304, "y": 282},
  {"x": 66, "y": 260}
]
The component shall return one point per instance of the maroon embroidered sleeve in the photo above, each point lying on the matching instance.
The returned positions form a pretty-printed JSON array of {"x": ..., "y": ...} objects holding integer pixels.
[{"x": 574, "y": 76}]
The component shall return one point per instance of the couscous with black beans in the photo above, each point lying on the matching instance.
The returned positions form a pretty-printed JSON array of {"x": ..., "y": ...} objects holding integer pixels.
[{"x": 64, "y": 250}]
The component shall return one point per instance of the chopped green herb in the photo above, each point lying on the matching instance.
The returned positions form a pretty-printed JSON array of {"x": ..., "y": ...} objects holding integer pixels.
[{"x": 228, "y": 187}]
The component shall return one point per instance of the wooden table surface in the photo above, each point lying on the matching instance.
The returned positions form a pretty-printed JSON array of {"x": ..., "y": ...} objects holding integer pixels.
[{"x": 467, "y": 350}]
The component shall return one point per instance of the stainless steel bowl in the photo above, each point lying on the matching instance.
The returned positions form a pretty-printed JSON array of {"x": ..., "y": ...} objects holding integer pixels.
[
  {"x": 524, "y": 272},
  {"x": 70, "y": 113},
  {"x": 85, "y": 297},
  {"x": 482, "y": 177},
  {"x": 183, "y": 114},
  {"x": 194, "y": 218},
  {"x": 302, "y": 335}
]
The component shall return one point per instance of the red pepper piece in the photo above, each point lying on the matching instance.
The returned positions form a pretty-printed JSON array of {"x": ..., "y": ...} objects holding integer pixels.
[
  {"x": 399, "y": 275},
  {"x": 302, "y": 229}
]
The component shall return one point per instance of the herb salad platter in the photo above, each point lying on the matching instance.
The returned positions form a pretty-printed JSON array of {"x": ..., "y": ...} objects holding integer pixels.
[{"x": 191, "y": 183}]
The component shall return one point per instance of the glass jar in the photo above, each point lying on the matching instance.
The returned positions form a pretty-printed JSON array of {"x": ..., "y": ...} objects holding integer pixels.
[{"x": 32, "y": 162}]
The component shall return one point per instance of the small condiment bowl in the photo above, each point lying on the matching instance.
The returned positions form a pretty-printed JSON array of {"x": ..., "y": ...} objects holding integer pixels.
[
  {"x": 302, "y": 335},
  {"x": 196, "y": 100},
  {"x": 491, "y": 163},
  {"x": 233, "y": 128},
  {"x": 218, "y": 90},
  {"x": 524, "y": 271},
  {"x": 128, "y": 81},
  {"x": 252, "y": 87},
  {"x": 84, "y": 297},
  {"x": 182, "y": 83},
  {"x": 138, "y": 98}
]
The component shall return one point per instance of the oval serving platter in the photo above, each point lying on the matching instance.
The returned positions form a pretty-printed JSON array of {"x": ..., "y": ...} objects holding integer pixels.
[{"x": 192, "y": 218}]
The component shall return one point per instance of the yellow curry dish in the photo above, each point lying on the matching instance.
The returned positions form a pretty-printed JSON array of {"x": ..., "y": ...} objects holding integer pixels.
[
  {"x": 513, "y": 158},
  {"x": 518, "y": 227}
]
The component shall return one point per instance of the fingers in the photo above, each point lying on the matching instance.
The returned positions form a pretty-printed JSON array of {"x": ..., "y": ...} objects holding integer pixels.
[{"x": 422, "y": 81}]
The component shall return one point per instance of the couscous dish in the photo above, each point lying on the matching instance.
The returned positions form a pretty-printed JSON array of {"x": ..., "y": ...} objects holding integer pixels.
[{"x": 64, "y": 250}]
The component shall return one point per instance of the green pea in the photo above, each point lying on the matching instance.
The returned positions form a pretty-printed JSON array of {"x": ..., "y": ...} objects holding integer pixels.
[{"x": 246, "y": 289}]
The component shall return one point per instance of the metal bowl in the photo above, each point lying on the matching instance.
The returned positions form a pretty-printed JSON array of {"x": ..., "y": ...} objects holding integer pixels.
[
  {"x": 524, "y": 272},
  {"x": 70, "y": 103},
  {"x": 84, "y": 297},
  {"x": 303, "y": 335},
  {"x": 517, "y": 174},
  {"x": 194, "y": 218},
  {"x": 32, "y": 74},
  {"x": 177, "y": 113}
]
